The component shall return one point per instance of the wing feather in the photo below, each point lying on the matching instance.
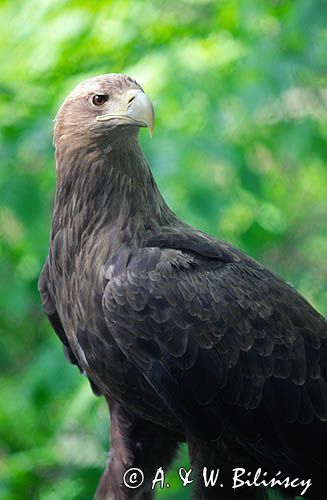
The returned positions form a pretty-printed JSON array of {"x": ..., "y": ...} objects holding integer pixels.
[{"x": 210, "y": 333}]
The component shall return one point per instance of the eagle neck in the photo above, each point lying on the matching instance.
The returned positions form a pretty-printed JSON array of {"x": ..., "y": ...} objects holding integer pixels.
[{"x": 110, "y": 190}]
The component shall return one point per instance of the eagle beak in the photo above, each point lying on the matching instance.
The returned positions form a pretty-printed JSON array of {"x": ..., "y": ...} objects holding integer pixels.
[{"x": 133, "y": 108}]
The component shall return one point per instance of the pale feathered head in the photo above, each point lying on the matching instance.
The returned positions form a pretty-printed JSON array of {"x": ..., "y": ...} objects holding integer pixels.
[{"x": 103, "y": 109}]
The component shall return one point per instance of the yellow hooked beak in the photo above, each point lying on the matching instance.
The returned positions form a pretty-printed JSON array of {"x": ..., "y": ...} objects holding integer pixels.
[{"x": 132, "y": 108}]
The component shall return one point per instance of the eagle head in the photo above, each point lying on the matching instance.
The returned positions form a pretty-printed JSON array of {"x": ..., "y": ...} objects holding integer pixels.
[{"x": 103, "y": 109}]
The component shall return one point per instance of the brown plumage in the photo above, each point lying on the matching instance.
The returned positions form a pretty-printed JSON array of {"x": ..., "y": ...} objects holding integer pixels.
[{"x": 186, "y": 337}]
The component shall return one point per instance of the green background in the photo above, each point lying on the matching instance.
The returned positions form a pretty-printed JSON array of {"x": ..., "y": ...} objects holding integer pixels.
[{"x": 239, "y": 150}]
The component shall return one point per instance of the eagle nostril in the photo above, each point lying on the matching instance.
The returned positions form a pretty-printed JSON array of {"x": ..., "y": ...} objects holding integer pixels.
[{"x": 130, "y": 100}]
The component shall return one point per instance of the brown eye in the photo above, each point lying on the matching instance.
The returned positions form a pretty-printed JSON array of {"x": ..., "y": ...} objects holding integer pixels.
[{"x": 98, "y": 99}]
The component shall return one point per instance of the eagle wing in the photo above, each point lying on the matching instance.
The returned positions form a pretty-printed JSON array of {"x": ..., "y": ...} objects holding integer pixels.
[
  {"x": 216, "y": 334},
  {"x": 52, "y": 314}
]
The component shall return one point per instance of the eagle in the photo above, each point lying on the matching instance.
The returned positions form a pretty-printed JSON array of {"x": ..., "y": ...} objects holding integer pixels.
[{"x": 186, "y": 337}]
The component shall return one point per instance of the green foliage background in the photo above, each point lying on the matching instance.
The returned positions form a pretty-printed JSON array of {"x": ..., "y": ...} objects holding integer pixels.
[{"x": 239, "y": 88}]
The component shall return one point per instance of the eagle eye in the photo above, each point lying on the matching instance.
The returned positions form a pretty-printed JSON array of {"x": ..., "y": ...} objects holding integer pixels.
[{"x": 99, "y": 99}]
